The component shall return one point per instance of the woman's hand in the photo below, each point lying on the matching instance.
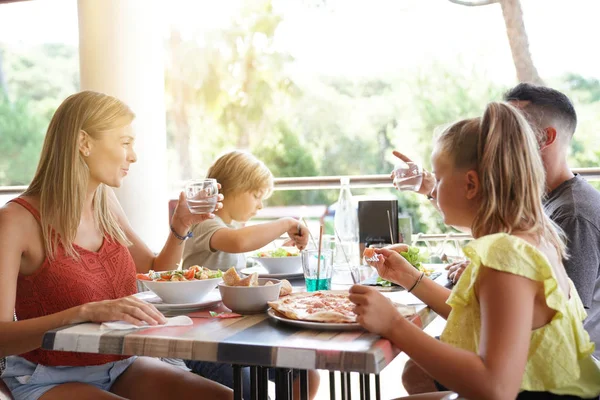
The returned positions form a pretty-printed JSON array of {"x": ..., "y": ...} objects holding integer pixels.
[
  {"x": 393, "y": 267},
  {"x": 298, "y": 234},
  {"x": 129, "y": 309},
  {"x": 183, "y": 219},
  {"x": 375, "y": 312},
  {"x": 428, "y": 182}
]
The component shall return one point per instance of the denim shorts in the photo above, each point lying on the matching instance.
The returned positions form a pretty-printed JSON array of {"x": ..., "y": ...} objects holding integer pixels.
[{"x": 30, "y": 381}]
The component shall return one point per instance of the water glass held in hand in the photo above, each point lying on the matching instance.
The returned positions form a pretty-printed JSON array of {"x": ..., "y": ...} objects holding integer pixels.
[
  {"x": 202, "y": 195},
  {"x": 408, "y": 176}
]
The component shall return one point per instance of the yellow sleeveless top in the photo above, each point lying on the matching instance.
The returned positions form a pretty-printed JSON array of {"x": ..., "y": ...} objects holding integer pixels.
[{"x": 560, "y": 353}]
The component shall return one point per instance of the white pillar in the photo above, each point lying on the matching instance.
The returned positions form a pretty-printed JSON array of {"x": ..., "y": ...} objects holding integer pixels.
[{"x": 121, "y": 54}]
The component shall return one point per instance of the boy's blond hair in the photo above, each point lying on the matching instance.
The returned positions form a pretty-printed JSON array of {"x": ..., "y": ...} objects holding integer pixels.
[{"x": 239, "y": 172}]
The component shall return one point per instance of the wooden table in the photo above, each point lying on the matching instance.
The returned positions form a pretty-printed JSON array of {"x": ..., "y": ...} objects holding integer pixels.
[{"x": 253, "y": 340}]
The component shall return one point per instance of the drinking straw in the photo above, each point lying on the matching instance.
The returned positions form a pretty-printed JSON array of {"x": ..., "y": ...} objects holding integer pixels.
[
  {"x": 309, "y": 233},
  {"x": 390, "y": 226},
  {"x": 319, "y": 254}
]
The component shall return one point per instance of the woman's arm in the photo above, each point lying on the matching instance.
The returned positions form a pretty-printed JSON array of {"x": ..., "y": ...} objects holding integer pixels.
[
  {"x": 507, "y": 308},
  {"x": 254, "y": 237},
  {"x": 170, "y": 255},
  {"x": 18, "y": 230}
]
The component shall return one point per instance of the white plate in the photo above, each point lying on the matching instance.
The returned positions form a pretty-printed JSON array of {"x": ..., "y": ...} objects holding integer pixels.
[
  {"x": 263, "y": 273},
  {"x": 211, "y": 299},
  {"x": 327, "y": 326}
]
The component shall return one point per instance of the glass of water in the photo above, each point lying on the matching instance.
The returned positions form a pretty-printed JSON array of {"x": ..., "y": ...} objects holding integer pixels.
[
  {"x": 317, "y": 272},
  {"x": 202, "y": 195},
  {"x": 408, "y": 176}
]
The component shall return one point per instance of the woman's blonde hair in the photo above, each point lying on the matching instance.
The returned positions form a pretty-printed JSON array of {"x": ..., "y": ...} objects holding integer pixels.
[
  {"x": 502, "y": 148},
  {"x": 239, "y": 172},
  {"x": 61, "y": 179}
]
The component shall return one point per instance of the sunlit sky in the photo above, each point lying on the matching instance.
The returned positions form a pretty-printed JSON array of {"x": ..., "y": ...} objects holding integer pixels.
[{"x": 368, "y": 37}]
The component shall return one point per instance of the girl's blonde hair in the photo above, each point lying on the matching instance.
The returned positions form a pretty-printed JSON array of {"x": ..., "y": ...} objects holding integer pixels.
[
  {"x": 239, "y": 171},
  {"x": 61, "y": 179},
  {"x": 502, "y": 148}
]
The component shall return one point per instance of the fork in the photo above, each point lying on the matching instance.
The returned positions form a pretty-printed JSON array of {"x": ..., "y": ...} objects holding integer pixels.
[{"x": 375, "y": 258}]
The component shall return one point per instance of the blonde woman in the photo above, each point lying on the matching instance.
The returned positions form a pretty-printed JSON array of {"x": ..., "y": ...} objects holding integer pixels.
[
  {"x": 221, "y": 242},
  {"x": 69, "y": 255},
  {"x": 514, "y": 320}
]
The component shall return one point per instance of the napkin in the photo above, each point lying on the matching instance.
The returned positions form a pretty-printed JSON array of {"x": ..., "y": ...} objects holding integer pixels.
[{"x": 180, "y": 320}]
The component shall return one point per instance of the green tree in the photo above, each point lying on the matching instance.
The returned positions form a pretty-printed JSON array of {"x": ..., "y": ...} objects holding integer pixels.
[
  {"x": 443, "y": 95},
  {"x": 36, "y": 80},
  {"x": 21, "y": 137},
  {"x": 287, "y": 156},
  {"x": 225, "y": 97},
  {"x": 44, "y": 74}
]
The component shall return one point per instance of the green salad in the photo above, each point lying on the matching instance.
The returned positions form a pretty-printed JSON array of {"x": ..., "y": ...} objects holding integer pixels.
[
  {"x": 414, "y": 256},
  {"x": 280, "y": 252}
]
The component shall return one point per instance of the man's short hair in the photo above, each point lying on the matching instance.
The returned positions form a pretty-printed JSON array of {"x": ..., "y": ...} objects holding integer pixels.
[{"x": 544, "y": 105}]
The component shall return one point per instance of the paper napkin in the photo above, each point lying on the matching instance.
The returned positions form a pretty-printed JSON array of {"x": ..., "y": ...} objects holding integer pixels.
[{"x": 180, "y": 320}]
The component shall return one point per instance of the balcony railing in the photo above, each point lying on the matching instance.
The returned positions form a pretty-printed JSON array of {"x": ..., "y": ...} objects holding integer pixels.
[
  {"x": 331, "y": 182},
  {"x": 369, "y": 181}
]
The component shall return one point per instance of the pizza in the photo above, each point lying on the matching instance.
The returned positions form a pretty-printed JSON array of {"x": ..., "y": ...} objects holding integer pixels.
[{"x": 323, "y": 306}]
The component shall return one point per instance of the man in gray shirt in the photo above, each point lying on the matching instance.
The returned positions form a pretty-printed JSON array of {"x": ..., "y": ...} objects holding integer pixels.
[{"x": 571, "y": 202}]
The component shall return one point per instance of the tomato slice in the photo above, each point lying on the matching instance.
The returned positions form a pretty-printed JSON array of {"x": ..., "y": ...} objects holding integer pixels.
[
  {"x": 143, "y": 277},
  {"x": 189, "y": 274},
  {"x": 369, "y": 253}
]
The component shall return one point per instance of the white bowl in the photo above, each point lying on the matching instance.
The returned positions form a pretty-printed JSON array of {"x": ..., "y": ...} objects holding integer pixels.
[
  {"x": 281, "y": 265},
  {"x": 180, "y": 292},
  {"x": 250, "y": 299}
]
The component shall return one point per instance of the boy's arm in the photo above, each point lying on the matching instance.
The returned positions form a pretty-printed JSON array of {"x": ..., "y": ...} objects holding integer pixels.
[{"x": 254, "y": 237}]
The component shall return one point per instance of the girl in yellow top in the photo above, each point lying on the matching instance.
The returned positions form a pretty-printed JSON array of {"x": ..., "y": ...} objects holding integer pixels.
[{"x": 514, "y": 322}]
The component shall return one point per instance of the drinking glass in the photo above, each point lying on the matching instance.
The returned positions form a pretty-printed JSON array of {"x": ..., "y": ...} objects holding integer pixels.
[
  {"x": 202, "y": 195},
  {"x": 405, "y": 228},
  {"x": 408, "y": 176},
  {"x": 317, "y": 275}
]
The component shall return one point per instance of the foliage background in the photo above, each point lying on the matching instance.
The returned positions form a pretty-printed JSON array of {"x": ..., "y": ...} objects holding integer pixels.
[{"x": 236, "y": 87}]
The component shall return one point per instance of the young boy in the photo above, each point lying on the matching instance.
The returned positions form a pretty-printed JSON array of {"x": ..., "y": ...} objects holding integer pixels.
[{"x": 221, "y": 242}]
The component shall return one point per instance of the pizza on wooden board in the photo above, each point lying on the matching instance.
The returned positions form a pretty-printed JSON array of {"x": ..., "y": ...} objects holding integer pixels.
[{"x": 332, "y": 307}]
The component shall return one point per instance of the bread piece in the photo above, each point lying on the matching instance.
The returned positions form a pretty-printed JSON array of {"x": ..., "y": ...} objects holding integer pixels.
[
  {"x": 231, "y": 277},
  {"x": 286, "y": 288},
  {"x": 250, "y": 280}
]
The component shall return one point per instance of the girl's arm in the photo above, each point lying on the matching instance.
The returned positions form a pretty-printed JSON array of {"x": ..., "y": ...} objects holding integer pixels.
[
  {"x": 170, "y": 255},
  {"x": 254, "y": 237},
  {"x": 506, "y": 304},
  {"x": 393, "y": 267},
  {"x": 434, "y": 295}
]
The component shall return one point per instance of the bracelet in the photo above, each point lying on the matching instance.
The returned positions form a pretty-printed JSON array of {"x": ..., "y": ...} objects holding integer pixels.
[
  {"x": 417, "y": 282},
  {"x": 429, "y": 196},
  {"x": 182, "y": 238}
]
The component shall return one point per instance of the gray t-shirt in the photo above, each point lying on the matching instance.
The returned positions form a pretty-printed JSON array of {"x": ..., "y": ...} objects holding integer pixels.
[
  {"x": 197, "y": 249},
  {"x": 575, "y": 207}
]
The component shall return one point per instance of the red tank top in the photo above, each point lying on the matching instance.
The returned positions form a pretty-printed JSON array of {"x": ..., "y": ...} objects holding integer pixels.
[{"x": 65, "y": 282}]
